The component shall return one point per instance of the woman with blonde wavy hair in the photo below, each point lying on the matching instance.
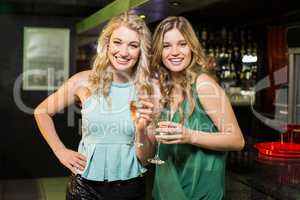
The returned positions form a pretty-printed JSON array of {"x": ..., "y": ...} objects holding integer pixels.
[
  {"x": 202, "y": 127},
  {"x": 109, "y": 162}
]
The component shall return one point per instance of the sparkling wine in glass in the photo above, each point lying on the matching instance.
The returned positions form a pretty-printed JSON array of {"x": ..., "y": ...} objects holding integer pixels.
[
  {"x": 133, "y": 109},
  {"x": 134, "y": 105},
  {"x": 165, "y": 116}
]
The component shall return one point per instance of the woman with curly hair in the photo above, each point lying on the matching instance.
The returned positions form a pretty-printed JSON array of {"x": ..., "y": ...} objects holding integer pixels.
[
  {"x": 203, "y": 125},
  {"x": 109, "y": 161}
]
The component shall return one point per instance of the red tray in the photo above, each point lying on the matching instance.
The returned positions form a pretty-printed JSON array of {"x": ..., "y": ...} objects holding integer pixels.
[{"x": 278, "y": 149}]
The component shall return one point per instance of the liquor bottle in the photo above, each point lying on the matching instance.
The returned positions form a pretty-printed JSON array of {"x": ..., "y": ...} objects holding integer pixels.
[
  {"x": 210, "y": 50},
  {"x": 211, "y": 37},
  {"x": 230, "y": 37},
  {"x": 204, "y": 34},
  {"x": 243, "y": 51},
  {"x": 229, "y": 54},
  {"x": 204, "y": 40},
  {"x": 217, "y": 52},
  {"x": 223, "y": 34},
  {"x": 254, "y": 72},
  {"x": 236, "y": 60},
  {"x": 254, "y": 49},
  {"x": 233, "y": 72},
  {"x": 222, "y": 53}
]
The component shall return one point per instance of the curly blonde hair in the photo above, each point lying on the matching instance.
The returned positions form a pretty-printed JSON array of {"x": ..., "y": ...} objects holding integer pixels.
[
  {"x": 198, "y": 64},
  {"x": 101, "y": 76}
]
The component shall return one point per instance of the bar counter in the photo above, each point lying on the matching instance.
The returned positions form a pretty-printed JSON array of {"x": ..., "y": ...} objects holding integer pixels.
[{"x": 254, "y": 176}]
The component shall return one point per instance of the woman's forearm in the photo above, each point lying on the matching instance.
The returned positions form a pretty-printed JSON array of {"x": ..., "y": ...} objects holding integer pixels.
[
  {"x": 47, "y": 129},
  {"x": 147, "y": 148},
  {"x": 216, "y": 141}
]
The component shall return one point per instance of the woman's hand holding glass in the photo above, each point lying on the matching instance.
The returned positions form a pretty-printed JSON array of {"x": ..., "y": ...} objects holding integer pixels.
[
  {"x": 173, "y": 133},
  {"x": 141, "y": 114},
  {"x": 144, "y": 112},
  {"x": 160, "y": 116}
]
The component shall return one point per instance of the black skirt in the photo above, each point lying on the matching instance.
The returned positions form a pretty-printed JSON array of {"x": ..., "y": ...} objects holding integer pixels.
[{"x": 80, "y": 188}]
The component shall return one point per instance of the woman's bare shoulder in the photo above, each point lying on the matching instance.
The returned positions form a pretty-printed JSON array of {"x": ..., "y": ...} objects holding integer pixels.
[
  {"x": 203, "y": 77},
  {"x": 207, "y": 85},
  {"x": 83, "y": 75},
  {"x": 78, "y": 83},
  {"x": 80, "y": 78}
]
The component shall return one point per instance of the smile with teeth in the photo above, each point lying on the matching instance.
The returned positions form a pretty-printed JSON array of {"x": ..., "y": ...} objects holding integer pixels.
[
  {"x": 176, "y": 61},
  {"x": 122, "y": 60}
]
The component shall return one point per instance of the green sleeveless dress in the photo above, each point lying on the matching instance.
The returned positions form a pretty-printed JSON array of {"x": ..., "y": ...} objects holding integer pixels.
[{"x": 190, "y": 172}]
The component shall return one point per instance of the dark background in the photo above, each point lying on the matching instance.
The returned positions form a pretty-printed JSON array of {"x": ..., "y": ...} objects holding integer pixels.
[{"x": 23, "y": 152}]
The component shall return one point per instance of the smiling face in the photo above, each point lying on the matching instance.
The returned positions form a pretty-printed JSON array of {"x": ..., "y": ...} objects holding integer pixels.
[
  {"x": 124, "y": 49},
  {"x": 176, "y": 54}
]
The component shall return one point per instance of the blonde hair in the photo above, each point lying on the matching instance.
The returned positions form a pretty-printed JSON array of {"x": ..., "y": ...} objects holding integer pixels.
[
  {"x": 101, "y": 76},
  {"x": 198, "y": 64}
]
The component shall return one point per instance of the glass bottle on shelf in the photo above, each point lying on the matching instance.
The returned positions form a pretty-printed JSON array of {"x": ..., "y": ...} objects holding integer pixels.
[
  {"x": 230, "y": 37},
  {"x": 217, "y": 52},
  {"x": 254, "y": 50},
  {"x": 243, "y": 51},
  {"x": 229, "y": 54},
  {"x": 211, "y": 52},
  {"x": 223, "y": 34},
  {"x": 254, "y": 72},
  {"x": 233, "y": 72},
  {"x": 249, "y": 49},
  {"x": 254, "y": 65},
  {"x": 211, "y": 42},
  {"x": 247, "y": 73},
  {"x": 211, "y": 37},
  {"x": 236, "y": 62},
  {"x": 204, "y": 39},
  {"x": 222, "y": 53},
  {"x": 204, "y": 34}
]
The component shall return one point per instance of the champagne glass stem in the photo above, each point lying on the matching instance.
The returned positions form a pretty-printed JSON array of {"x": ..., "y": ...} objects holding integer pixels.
[{"x": 157, "y": 152}]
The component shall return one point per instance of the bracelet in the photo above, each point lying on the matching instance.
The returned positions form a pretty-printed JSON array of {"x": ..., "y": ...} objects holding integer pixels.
[{"x": 139, "y": 144}]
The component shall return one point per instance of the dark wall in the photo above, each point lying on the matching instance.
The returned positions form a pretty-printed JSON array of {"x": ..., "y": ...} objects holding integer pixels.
[{"x": 23, "y": 152}]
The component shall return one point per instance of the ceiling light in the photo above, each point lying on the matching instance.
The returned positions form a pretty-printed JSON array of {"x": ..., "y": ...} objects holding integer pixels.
[
  {"x": 175, "y": 3},
  {"x": 143, "y": 16}
]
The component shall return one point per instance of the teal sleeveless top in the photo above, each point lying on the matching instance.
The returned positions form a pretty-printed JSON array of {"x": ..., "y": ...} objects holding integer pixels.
[
  {"x": 108, "y": 136},
  {"x": 190, "y": 172}
]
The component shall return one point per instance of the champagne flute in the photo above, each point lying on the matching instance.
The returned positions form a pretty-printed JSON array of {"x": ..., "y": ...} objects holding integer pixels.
[
  {"x": 164, "y": 116},
  {"x": 134, "y": 105}
]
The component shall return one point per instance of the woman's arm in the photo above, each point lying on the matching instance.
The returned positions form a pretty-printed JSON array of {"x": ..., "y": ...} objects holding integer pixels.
[
  {"x": 144, "y": 135},
  {"x": 43, "y": 114},
  {"x": 218, "y": 107},
  {"x": 216, "y": 104},
  {"x": 147, "y": 140}
]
